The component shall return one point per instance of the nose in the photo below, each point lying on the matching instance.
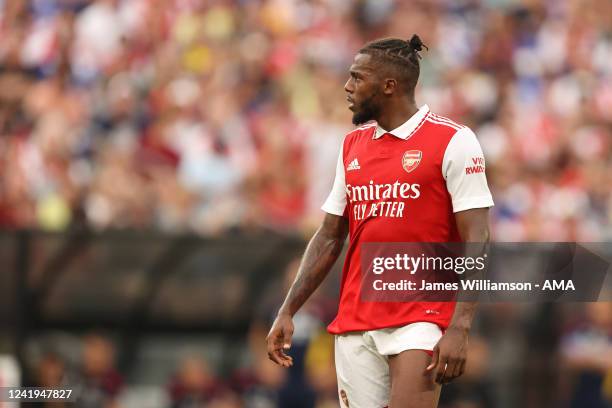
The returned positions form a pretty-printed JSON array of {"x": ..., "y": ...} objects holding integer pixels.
[{"x": 348, "y": 86}]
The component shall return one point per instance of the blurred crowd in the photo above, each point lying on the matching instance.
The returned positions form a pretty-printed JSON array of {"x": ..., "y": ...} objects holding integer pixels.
[{"x": 209, "y": 115}]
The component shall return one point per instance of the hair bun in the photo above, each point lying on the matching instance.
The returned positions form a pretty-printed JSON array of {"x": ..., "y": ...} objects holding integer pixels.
[{"x": 415, "y": 43}]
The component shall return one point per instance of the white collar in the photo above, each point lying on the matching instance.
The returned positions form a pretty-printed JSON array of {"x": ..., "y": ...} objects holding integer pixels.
[{"x": 404, "y": 130}]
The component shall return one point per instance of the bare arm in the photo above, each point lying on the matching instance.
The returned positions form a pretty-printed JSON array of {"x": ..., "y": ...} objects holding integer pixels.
[
  {"x": 321, "y": 254},
  {"x": 451, "y": 351},
  {"x": 473, "y": 226}
]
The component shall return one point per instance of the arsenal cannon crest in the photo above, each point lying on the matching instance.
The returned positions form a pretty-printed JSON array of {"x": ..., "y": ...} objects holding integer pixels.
[{"x": 411, "y": 159}]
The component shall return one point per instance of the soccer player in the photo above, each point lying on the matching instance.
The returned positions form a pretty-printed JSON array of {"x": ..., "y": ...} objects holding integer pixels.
[{"x": 428, "y": 171}]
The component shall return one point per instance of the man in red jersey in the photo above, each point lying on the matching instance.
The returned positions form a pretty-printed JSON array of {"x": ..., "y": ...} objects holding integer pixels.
[{"x": 410, "y": 176}]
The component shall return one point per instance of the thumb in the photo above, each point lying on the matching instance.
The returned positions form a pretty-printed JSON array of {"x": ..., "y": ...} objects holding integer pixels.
[
  {"x": 287, "y": 339},
  {"x": 434, "y": 358}
]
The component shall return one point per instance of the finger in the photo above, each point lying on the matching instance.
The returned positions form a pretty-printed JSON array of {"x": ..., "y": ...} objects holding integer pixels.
[
  {"x": 434, "y": 359},
  {"x": 274, "y": 352},
  {"x": 275, "y": 357},
  {"x": 288, "y": 361},
  {"x": 442, "y": 366},
  {"x": 287, "y": 337},
  {"x": 274, "y": 349},
  {"x": 444, "y": 378},
  {"x": 280, "y": 358},
  {"x": 452, "y": 367},
  {"x": 457, "y": 370},
  {"x": 284, "y": 355},
  {"x": 280, "y": 349},
  {"x": 445, "y": 373},
  {"x": 461, "y": 369}
]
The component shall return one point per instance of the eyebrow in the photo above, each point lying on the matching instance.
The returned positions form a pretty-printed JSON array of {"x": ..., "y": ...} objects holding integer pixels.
[{"x": 360, "y": 72}]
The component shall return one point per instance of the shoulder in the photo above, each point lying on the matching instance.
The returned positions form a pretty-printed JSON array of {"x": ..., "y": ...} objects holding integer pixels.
[
  {"x": 456, "y": 134},
  {"x": 442, "y": 122},
  {"x": 444, "y": 132},
  {"x": 463, "y": 144},
  {"x": 360, "y": 133}
]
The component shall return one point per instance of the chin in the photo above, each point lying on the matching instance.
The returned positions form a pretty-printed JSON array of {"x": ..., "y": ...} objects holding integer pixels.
[
  {"x": 359, "y": 118},
  {"x": 365, "y": 112}
]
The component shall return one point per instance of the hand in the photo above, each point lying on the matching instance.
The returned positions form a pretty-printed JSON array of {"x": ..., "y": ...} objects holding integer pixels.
[
  {"x": 449, "y": 355},
  {"x": 279, "y": 340}
]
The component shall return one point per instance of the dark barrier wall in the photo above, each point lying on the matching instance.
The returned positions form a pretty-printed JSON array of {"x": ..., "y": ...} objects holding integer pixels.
[{"x": 136, "y": 279}]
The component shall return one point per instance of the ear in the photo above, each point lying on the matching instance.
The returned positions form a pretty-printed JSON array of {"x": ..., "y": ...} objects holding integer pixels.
[{"x": 390, "y": 86}]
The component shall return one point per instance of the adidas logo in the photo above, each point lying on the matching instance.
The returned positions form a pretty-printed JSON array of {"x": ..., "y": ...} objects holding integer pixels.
[{"x": 354, "y": 165}]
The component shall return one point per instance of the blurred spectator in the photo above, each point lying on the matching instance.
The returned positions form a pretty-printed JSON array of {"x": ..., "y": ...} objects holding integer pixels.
[
  {"x": 100, "y": 382},
  {"x": 586, "y": 351},
  {"x": 52, "y": 373},
  {"x": 194, "y": 385},
  {"x": 261, "y": 385}
]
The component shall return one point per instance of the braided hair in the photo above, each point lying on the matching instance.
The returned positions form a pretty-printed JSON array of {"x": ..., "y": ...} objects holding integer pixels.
[{"x": 402, "y": 55}]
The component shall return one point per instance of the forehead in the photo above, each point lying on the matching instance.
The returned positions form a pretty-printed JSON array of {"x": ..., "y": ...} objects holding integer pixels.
[{"x": 363, "y": 63}]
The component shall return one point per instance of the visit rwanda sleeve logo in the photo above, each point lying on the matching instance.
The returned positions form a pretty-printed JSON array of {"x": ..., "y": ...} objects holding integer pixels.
[
  {"x": 411, "y": 160},
  {"x": 478, "y": 166}
]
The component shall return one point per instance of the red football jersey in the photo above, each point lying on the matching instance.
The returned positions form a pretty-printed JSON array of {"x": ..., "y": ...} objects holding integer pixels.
[{"x": 403, "y": 186}]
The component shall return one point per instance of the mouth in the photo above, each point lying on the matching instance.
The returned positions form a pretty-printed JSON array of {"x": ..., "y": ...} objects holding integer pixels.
[{"x": 351, "y": 102}]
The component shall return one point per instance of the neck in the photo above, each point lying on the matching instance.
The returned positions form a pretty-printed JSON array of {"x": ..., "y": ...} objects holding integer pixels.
[{"x": 397, "y": 114}]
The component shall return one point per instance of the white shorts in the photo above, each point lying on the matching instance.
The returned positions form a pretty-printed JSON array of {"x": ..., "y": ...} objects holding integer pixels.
[{"x": 362, "y": 361}]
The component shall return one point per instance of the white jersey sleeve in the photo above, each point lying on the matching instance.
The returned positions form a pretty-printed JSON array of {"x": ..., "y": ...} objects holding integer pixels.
[
  {"x": 463, "y": 168},
  {"x": 336, "y": 201}
]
